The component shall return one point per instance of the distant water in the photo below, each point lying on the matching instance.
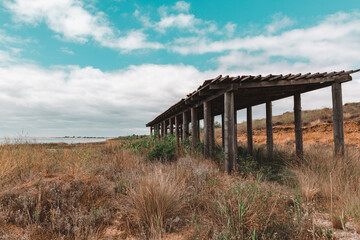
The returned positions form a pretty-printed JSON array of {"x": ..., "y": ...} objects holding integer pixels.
[{"x": 50, "y": 140}]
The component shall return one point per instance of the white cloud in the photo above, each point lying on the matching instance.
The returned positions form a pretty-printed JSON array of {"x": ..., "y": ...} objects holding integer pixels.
[
  {"x": 66, "y": 50},
  {"x": 333, "y": 43},
  {"x": 181, "y": 6},
  {"x": 177, "y": 17},
  {"x": 279, "y": 22},
  {"x": 86, "y": 101},
  {"x": 74, "y": 22}
]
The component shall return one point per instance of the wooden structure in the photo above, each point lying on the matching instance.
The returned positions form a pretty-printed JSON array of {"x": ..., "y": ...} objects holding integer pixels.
[{"x": 225, "y": 95}]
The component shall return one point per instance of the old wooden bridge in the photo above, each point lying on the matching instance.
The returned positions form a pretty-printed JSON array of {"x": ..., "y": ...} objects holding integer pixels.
[{"x": 225, "y": 95}]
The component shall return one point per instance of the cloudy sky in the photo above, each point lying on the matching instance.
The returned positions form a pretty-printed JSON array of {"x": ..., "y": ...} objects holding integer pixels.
[{"x": 106, "y": 68}]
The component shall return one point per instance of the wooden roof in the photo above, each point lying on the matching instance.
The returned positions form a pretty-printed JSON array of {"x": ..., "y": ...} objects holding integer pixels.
[{"x": 252, "y": 90}]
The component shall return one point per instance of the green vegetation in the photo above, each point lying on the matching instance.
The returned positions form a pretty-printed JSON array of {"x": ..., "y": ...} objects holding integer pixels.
[{"x": 149, "y": 188}]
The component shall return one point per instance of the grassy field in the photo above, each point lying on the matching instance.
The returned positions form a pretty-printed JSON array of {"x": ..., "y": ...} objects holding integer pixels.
[{"x": 147, "y": 188}]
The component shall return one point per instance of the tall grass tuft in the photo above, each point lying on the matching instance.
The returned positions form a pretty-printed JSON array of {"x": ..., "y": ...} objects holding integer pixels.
[{"x": 331, "y": 181}]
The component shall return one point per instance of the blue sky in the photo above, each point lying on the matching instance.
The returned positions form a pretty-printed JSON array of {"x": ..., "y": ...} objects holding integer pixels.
[{"x": 105, "y": 68}]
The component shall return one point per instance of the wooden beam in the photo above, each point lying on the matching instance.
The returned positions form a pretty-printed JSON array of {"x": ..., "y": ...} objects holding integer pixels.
[
  {"x": 235, "y": 137},
  {"x": 177, "y": 130},
  {"x": 230, "y": 154},
  {"x": 222, "y": 130},
  {"x": 163, "y": 129},
  {"x": 194, "y": 128},
  {"x": 171, "y": 129},
  {"x": 298, "y": 126},
  {"x": 212, "y": 136},
  {"x": 249, "y": 130},
  {"x": 269, "y": 131},
  {"x": 151, "y": 130},
  {"x": 185, "y": 128},
  {"x": 338, "y": 120},
  {"x": 208, "y": 141}
]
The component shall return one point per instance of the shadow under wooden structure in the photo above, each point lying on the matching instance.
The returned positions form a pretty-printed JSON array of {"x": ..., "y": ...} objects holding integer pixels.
[{"x": 225, "y": 95}]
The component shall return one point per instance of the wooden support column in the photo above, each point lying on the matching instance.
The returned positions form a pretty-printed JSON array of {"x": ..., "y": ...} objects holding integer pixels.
[
  {"x": 208, "y": 128},
  {"x": 185, "y": 128},
  {"x": 163, "y": 129},
  {"x": 177, "y": 130},
  {"x": 151, "y": 130},
  {"x": 213, "y": 131},
  {"x": 222, "y": 130},
  {"x": 230, "y": 154},
  {"x": 171, "y": 127},
  {"x": 298, "y": 126},
  {"x": 338, "y": 120},
  {"x": 249, "y": 130},
  {"x": 194, "y": 128},
  {"x": 235, "y": 138},
  {"x": 269, "y": 131}
]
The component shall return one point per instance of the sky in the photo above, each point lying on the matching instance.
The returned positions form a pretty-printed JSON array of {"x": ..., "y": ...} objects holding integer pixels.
[{"x": 106, "y": 68}]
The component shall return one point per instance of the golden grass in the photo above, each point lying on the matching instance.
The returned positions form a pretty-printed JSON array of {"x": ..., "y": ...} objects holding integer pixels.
[
  {"x": 332, "y": 182},
  {"x": 104, "y": 191}
]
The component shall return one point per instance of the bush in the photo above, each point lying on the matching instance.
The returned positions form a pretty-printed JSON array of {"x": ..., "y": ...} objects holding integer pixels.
[{"x": 163, "y": 149}]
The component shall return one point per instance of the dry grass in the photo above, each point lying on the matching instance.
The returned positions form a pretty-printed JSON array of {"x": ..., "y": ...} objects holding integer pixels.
[
  {"x": 105, "y": 191},
  {"x": 331, "y": 182}
]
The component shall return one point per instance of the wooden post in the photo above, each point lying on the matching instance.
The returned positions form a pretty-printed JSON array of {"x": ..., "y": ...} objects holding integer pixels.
[
  {"x": 212, "y": 132},
  {"x": 269, "y": 131},
  {"x": 177, "y": 130},
  {"x": 185, "y": 128},
  {"x": 298, "y": 126},
  {"x": 338, "y": 119},
  {"x": 249, "y": 130},
  {"x": 208, "y": 141},
  {"x": 163, "y": 129},
  {"x": 171, "y": 127},
  {"x": 235, "y": 138},
  {"x": 151, "y": 130},
  {"x": 194, "y": 128},
  {"x": 222, "y": 130},
  {"x": 230, "y": 154}
]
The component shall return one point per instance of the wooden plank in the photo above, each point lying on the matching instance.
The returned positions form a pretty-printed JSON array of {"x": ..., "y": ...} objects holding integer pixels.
[
  {"x": 338, "y": 120},
  {"x": 185, "y": 127},
  {"x": 269, "y": 131},
  {"x": 194, "y": 128},
  {"x": 207, "y": 130},
  {"x": 229, "y": 138},
  {"x": 249, "y": 130},
  {"x": 298, "y": 126}
]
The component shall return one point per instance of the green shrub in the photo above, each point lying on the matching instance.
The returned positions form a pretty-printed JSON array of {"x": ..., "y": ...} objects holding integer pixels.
[{"x": 163, "y": 149}]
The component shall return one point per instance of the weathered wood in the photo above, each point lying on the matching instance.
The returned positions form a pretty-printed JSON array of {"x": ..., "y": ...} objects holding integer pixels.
[
  {"x": 208, "y": 141},
  {"x": 185, "y": 128},
  {"x": 171, "y": 126},
  {"x": 229, "y": 139},
  {"x": 298, "y": 126},
  {"x": 194, "y": 128},
  {"x": 222, "y": 130},
  {"x": 249, "y": 130},
  {"x": 212, "y": 132},
  {"x": 177, "y": 130},
  {"x": 235, "y": 137},
  {"x": 269, "y": 131},
  {"x": 151, "y": 130},
  {"x": 163, "y": 129},
  {"x": 338, "y": 119}
]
